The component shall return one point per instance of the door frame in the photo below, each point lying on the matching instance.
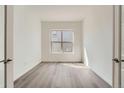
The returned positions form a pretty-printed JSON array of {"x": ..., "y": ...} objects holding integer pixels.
[
  {"x": 116, "y": 82},
  {"x": 8, "y": 24},
  {"x": 8, "y": 46}
]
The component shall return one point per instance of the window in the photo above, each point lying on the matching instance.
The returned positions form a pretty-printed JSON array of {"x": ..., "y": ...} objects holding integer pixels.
[{"x": 62, "y": 41}]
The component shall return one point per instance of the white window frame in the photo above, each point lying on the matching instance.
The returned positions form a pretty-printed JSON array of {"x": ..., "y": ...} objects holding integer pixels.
[{"x": 61, "y": 30}]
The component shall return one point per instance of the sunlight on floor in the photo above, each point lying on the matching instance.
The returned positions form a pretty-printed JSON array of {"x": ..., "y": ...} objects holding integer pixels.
[{"x": 76, "y": 65}]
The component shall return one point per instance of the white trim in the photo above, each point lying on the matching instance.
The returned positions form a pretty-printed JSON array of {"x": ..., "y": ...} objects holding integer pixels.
[{"x": 117, "y": 46}]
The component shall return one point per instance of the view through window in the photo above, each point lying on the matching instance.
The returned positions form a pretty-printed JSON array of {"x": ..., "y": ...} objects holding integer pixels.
[{"x": 62, "y": 41}]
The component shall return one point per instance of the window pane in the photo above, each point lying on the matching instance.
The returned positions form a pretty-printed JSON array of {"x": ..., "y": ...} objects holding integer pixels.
[
  {"x": 56, "y": 36},
  {"x": 56, "y": 47},
  {"x": 67, "y": 36},
  {"x": 67, "y": 47}
]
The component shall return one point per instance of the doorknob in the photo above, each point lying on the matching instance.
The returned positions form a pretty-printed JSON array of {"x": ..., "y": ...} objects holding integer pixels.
[
  {"x": 122, "y": 60},
  {"x": 2, "y": 61},
  {"x": 116, "y": 60},
  {"x": 6, "y": 61}
]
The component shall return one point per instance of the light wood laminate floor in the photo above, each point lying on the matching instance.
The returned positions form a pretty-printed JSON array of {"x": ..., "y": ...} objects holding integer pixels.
[{"x": 60, "y": 75}]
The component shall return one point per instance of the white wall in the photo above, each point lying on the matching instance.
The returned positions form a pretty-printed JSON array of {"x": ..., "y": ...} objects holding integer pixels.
[
  {"x": 46, "y": 46},
  {"x": 27, "y": 40},
  {"x": 98, "y": 40}
]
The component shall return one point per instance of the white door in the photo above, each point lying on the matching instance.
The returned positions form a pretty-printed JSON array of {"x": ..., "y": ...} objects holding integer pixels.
[
  {"x": 6, "y": 46},
  {"x": 118, "y": 47}
]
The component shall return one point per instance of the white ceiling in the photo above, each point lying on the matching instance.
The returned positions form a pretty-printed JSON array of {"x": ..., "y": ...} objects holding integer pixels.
[{"x": 60, "y": 12}]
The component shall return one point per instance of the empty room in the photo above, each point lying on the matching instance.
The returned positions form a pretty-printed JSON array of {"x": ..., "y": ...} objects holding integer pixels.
[{"x": 61, "y": 46}]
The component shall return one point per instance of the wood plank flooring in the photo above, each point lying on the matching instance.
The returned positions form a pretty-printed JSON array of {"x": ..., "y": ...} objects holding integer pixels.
[{"x": 60, "y": 75}]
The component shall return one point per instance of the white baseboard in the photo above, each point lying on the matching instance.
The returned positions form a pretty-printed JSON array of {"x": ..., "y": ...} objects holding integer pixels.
[
  {"x": 27, "y": 70},
  {"x": 102, "y": 77}
]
